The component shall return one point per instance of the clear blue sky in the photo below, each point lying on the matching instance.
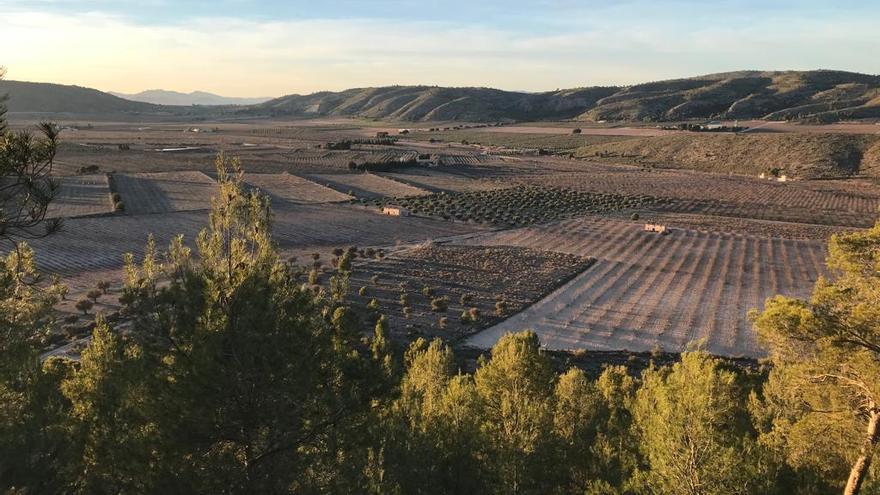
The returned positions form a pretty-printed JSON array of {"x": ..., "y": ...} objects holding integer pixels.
[{"x": 245, "y": 48}]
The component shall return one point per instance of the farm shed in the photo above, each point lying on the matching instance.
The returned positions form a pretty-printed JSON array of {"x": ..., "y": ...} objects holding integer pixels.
[
  {"x": 660, "y": 229},
  {"x": 395, "y": 211}
]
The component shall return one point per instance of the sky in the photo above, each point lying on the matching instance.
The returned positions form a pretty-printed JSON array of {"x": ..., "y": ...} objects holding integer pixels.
[{"x": 272, "y": 48}]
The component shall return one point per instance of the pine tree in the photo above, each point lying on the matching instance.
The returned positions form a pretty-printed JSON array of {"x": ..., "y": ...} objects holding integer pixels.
[
  {"x": 822, "y": 401},
  {"x": 515, "y": 388},
  {"x": 694, "y": 430},
  {"x": 251, "y": 382}
]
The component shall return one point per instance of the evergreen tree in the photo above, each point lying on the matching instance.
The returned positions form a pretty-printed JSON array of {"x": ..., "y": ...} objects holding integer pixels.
[
  {"x": 694, "y": 430},
  {"x": 249, "y": 380},
  {"x": 31, "y": 406},
  {"x": 515, "y": 388},
  {"x": 822, "y": 401},
  {"x": 26, "y": 185}
]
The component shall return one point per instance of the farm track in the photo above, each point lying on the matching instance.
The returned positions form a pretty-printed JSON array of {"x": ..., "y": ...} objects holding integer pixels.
[{"x": 649, "y": 290}]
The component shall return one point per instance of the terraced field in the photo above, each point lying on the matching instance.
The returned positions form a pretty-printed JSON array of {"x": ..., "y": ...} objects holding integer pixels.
[
  {"x": 434, "y": 180},
  {"x": 287, "y": 187},
  {"x": 164, "y": 192},
  {"x": 366, "y": 185},
  {"x": 846, "y": 203},
  {"x": 648, "y": 290},
  {"x": 483, "y": 275},
  {"x": 80, "y": 196},
  {"x": 98, "y": 243}
]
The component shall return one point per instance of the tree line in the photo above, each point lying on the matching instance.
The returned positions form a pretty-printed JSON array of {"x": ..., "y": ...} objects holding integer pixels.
[{"x": 228, "y": 374}]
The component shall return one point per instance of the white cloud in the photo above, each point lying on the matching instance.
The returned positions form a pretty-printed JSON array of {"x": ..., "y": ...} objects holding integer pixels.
[{"x": 239, "y": 57}]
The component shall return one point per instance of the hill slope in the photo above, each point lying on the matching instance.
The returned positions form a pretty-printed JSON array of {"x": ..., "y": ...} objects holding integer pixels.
[
  {"x": 813, "y": 95},
  {"x": 164, "y": 97},
  {"x": 800, "y": 155},
  {"x": 818, "y": 96},
  {"x": 33, "y": 97},
  {"x": 428, "y": 103}
]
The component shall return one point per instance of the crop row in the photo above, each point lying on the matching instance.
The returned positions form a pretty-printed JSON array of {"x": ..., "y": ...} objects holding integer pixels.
[{"x": 515, "y": 206}]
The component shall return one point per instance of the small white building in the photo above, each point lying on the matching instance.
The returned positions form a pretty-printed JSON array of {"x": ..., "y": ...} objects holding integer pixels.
[{"x": 395, "y": 211}]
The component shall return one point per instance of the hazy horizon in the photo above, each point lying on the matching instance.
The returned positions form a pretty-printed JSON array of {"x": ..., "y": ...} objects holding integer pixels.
[{"x": 244, "y": 49}]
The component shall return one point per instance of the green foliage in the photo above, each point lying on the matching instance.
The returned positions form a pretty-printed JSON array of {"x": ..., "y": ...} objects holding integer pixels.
[
  {"x": 517, "y": 206},
  {"x": 694, "y": 430},
  {"x": 821, "y": 405},
  {"x": 26, "y": 177}
]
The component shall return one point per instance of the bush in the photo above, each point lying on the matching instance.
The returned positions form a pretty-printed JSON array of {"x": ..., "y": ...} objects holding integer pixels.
[
  {"x": 439, "y": 304},
  {"x": 94, "y": 294},
  {"x": 634, "y": 217},
  {"x": 103, "y": 286},
  {"x": 84, "y": 305},
  {"x": 465, "y": 299},
  {"x": 119, "y": 206},
  {"x": 576, "y": 130},
  {"x": 428, "y": 291},
  {"x": 314, "y": 276},
  {"x": 362, "y": 291}
]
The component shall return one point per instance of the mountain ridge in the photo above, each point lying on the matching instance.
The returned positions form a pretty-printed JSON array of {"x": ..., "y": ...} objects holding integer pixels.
[
  {"x": 167, "y": 97},
  {"x": 810, "y": 96}
]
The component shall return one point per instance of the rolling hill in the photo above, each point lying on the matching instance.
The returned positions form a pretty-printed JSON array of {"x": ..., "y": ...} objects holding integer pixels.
[
  {"x": 30, "y": 97},
  {"x": 164, "y": 97},
  {"x": 813, "y": 96},
  {"x": 799, "y": 155}
]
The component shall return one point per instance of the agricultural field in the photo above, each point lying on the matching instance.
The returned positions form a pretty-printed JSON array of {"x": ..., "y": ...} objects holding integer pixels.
[
  {"x": 425, "y": 290},
  {"x": 515, "y": 206},
  {"x": 81, "y": 196},
  {"x": 164, "y": 192},
  {"x": 505, "y": 137},
  {"x": 851, "y": 203},
  {"x": 287, "y": 187},
  {"x": 99, "y": 243},
  {"x": 494, "y": 210},
  {"x": 435, "y": 180},
  {"x": 648, "y": 290},
  {"x": 366, "y": 185}
]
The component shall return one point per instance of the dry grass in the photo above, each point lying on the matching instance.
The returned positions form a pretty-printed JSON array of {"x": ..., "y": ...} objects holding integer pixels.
[{"x": 803, "y": 155}]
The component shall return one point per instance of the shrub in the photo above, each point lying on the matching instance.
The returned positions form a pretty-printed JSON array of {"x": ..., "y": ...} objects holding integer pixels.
[
  {"x": 404, "y": 299},
  {"x": 428, "y": 291},
  {"x": 374, "y": 279},
  {"x": 84, "y": 305},
  {"x": 314, "y": 276},
  {"x": 94, "y": 294},
  {"x": 500, "y": 308},
  {"x": 103, "y": 286},
  {"x": 634, "y": 217},
  {"x": 465, "y": 299},
  {"x": 439, "y": 304},
  {"x": 362, "y": 291},
  {"x": 576, "y": 130},
  {"x": 119, "y": 206},
  {"x": 443, "y": 322}
]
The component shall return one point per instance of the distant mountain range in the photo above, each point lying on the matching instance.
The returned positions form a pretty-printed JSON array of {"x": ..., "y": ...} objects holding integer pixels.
[
  {"x": 816, "y": 96},
  {"x": 164, "y": 97}
]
